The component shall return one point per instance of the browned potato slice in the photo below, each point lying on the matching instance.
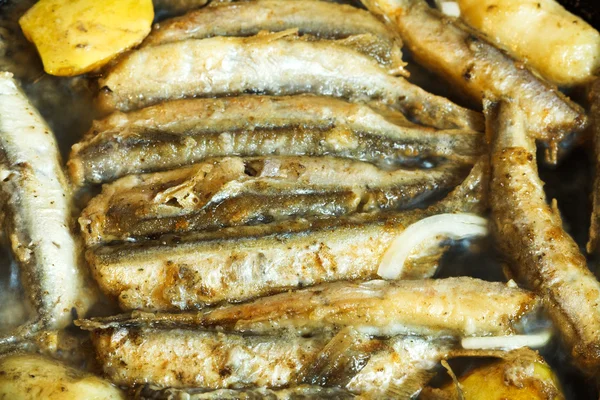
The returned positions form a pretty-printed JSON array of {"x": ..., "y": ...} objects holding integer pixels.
[
  {"x": 78, "y": 36},
  {"x": 31, "y": 376},
  {"x": 521, "y": 375},
  {"x": 559, "y": 45}
]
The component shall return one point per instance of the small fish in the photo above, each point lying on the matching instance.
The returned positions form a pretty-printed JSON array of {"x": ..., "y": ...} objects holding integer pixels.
[
  {"x": 300, "y": 392},
  {"x": 276, "y": 64},
  {"x": 456, "y": 307},
  {"x": 180, "y": 133},
  {"x": 176, "y": 7},
  {"x": 236, "y": 191},
  {"x": 530, "y": 233},
  {"x": 317, "y": 19},
  {"x": 192, "y": 358},
  {"x": 592, "y": 245},
  {"x": 471, "y": 63},
  {"x": 37, "y": 206},
  {"x": 191, "y": 270}
]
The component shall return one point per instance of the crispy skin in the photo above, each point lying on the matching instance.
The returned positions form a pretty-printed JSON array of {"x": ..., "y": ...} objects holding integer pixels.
[
  {"x": 270, "y": 64},
  {"x": 318, "y": 19},
  {"x": 37, "y": 203},
  {"x": 530, "y": 233},
  {"x": 235, "y": 191},
  {"x": 471, "y": 63},
  {"x": 179, "y": 133},
  {"x": 436, "y": 307},
  {"x": 182, "y": 358},
  {"x": 238, "y": 263},
  {"x": 592, "y": 245}
]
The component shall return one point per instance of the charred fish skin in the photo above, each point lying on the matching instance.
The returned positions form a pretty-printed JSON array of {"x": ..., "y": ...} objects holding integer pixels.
[
  {"x": 175, "y": 134},
  {"x": 470, "y": 62},
  {"x": 431, "y": 307},
  {"x": 269, "y": 64},
  {"x": 530, "y": 232},
  {"x": 594, "y": 95},
  {"x": 236, "y": 191},
  {"x": 239, "y": 263},
  {"x": 321, "y": 20},
  {"x": 38, "y": 207}
]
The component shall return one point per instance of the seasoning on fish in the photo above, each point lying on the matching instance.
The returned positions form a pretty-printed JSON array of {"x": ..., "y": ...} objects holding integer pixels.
[
  {"x": 37, "y": 203},
  {"x": 194, "y": 269},
  {"x": 592, "y": 245},
  {"x": 317, "y": 19},
  {"x": 432, "y": 307},
  {"x": 184, "y": 358},
  {"x": 276, "y": 64},
  {"x": 530, "y": 233},
  {"x": 234, "y": 191},
  {"x": 179, "y": 133},
  {"x": 470, "y": 63}
]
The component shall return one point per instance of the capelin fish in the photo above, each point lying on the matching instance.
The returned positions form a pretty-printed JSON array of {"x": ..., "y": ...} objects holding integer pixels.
[
  {"x": 179, "y": 133},
  {"x": 37, "y": 203},
  {"x": 317, "y": 19},
  {"x": 184, "y": 358},
  {"x": 471, "y": 63},
  {"x": 594, "y": 95},
  {"x": 235, "y": 191},
  {"x": 238, "y": 263},
  {"x": 434, "y": 307},
  {"x": 301, "y": 392},
  {"x": 530, "y": 233},
  {"x": 176, "y": 7},
  {"x": 269, "y": 64}
]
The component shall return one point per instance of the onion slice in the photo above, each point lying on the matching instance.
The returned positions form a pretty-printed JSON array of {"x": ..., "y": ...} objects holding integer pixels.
[
  {"x": 453, "y": 226},
  {"x": 449, "y": 8},
  {"x": 534, "y": 340}
]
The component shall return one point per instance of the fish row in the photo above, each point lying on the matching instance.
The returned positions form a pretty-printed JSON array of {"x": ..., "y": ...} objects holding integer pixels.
[{"x": 363, "y": 337}]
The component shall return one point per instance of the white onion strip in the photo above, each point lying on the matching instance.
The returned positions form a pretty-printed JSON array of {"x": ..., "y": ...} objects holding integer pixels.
[
  {"x": 449, "y": 8},
  {"x": 453, "y": 226},
  {"x": 534, "y": 340}
]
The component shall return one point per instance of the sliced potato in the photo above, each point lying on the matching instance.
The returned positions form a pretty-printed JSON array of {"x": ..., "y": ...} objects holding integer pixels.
[
  {"x": 78, "y": 36},
  {"x": 522, "y": 375},
  {"x": 31, "y": 376},
  {"x": 562, "y": 47}
]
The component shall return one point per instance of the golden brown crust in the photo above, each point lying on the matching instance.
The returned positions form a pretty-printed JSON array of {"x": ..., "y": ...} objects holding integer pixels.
[{"x": 530, "y": 233}]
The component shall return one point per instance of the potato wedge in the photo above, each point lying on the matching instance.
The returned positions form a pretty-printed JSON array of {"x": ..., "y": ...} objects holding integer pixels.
[
  {"x": 31, "y": 376},
  {"x": 77, "y": 36},
  {"x": 562, "y": 47},
  {"x": 521, "y": 375}
]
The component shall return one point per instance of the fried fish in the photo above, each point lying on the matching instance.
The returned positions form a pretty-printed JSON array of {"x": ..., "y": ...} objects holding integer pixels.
[
  {"x": 179, "y": 133},
  {"x": 317, "y": 19},
  {"x": 236, "y": 191},
  {"x": 276, "y": 64},
  {"x": 530, "y": 233}
]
